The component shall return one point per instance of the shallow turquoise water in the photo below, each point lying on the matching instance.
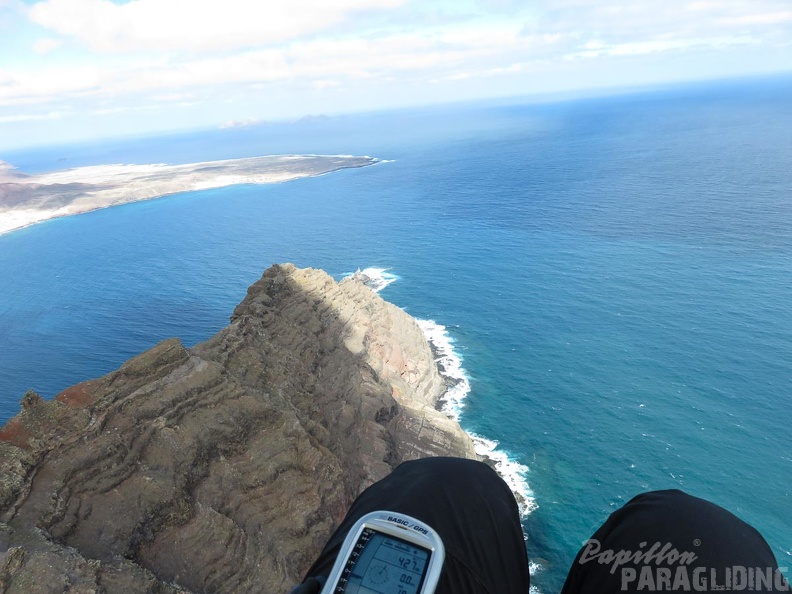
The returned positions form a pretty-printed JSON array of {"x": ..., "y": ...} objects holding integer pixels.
[{"x": 616, "y": 274}]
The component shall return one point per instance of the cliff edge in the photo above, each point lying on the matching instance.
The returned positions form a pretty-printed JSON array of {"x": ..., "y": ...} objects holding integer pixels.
[{"x": 224, "y": 467}]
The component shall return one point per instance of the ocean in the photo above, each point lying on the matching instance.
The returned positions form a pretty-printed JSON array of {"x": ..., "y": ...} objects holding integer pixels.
[{"x": 612, "y": 276}]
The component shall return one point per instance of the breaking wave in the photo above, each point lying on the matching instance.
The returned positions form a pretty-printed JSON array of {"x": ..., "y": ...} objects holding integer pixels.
[{"x": 449, "y": 363}]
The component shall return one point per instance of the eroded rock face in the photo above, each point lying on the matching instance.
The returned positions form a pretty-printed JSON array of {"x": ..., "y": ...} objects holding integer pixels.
[{"x": 225, "y": 467}]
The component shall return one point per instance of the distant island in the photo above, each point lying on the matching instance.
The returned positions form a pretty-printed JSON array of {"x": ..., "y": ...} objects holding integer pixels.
[{"x": 27, "y": 199}]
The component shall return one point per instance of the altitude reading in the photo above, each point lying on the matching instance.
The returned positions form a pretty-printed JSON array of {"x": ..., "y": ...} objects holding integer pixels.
[
  {"x": 387, "y": 552},
  {"x": 385, "y": 565}
]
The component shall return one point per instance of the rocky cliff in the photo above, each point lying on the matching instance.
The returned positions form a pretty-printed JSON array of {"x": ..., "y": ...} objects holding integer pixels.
[{"x": 224, "y": 467}]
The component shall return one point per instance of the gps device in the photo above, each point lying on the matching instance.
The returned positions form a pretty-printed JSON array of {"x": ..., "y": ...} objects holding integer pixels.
[{"x": 387, "y": 553}]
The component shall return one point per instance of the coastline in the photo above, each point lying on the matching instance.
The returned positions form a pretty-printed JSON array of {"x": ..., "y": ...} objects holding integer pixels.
[
  {"x": 451, "y": 402},
  {"x": 237, "y": 457},
  {"x": 26, "y": 200}
]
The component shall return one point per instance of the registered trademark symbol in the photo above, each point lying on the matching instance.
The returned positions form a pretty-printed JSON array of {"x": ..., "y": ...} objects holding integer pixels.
[{"x": 696, "y": 542}]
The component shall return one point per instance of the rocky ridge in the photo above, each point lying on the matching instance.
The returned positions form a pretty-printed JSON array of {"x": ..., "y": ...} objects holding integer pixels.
[{"x": 223, "y": 467}]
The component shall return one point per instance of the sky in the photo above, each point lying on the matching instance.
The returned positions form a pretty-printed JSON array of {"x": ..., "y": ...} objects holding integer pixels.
[{"x": 80, "y": 69}]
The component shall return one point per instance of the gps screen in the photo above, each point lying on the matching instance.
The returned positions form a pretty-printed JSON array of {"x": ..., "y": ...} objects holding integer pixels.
[{"x": 386, "y": 565}]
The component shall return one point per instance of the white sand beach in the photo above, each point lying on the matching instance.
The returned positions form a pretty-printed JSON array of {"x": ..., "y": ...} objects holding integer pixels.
[{"x": 28, "y": 199}]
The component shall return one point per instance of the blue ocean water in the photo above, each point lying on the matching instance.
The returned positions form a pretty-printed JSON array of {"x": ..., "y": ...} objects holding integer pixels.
[{"x": 615, "y": 273}]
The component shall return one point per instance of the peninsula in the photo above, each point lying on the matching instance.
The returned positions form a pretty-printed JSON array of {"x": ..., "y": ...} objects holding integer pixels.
[
  {"x": 26, "y": 199},
  {"x": 223, "y": 467}
]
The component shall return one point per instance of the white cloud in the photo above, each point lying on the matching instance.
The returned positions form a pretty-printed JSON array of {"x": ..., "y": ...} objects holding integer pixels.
[
  {"x": 429, "y": 54},
  {"x": 10, "y": 4},
  {"x": 323, "y": 63},
  {"x": 45, "y": 46},
  {"x": 597, "y": 48},
  {"x": 176, "y": 25},
  {"x": 642, "y": 20},
  {"x": 109, "y": 110},
  {"x": 324, "y": 84},
  {"x": 35, "y": 86},
  {"x": 144, "y": 55},
  {"x": 28, "y": 117},
  {"x": 237, "y": 124},
  {"x": 761, "y": 18}
]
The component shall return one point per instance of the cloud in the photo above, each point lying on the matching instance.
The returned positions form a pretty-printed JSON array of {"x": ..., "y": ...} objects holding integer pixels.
[
  {"x": 25, "y": 86},
  {"x": 45, "y": 46},
  {"x": 10, "y": 13},
  {"x": 324, "y": 84},
  {"x": 322, "y": 63},
  {"x": 28, "y": 117},
  {"x": 451, "y": 51},
  {"x": 595, "y": 48},
  {"x": 762, "y": 18},
  {"x": 10, "y": 4},
  {"x": 605, "y": 30},
  {"x": 645, "y": 20},
  {"x": 238, "y": 124},
  {"x": 175, "y": 25},
  {"x": 147, "y": 55}
]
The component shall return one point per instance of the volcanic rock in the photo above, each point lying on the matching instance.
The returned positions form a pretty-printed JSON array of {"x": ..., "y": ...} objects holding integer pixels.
[{"x": 226, "y": 466}]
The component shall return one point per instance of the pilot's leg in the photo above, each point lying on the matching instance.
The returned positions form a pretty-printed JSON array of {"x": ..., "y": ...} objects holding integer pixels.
[
  {"x": 470, "y": 507},
  {"x": 671, "y": 541}
]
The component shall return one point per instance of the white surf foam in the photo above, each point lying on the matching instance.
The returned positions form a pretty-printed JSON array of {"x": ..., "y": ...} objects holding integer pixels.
[
  {"x": 534, "y": 568},
  {"x": 450, "y": 365},
  {"x": 514, "y": 473},
  {"x": 375, "y": 279},
  {"x": 452, "y": 403}
]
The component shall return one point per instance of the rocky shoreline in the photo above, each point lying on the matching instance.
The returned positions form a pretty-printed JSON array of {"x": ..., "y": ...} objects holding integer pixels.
[{"x": 224, "y": 467}]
